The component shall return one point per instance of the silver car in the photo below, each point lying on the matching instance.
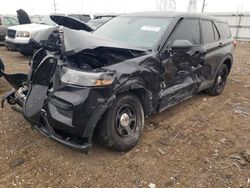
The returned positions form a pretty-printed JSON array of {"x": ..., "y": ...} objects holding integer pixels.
[{"x": 5, "y": 22}]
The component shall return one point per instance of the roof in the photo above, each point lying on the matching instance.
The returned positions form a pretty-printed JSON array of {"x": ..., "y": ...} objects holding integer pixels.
[{"x": 166, "y": 14}]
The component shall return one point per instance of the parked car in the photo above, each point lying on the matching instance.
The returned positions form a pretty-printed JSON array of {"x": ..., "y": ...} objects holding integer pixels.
[
  {"x": 110, "y": 80},
  {"x": 100, "y": 19},
  {"x": 19, "y": 37},
  {"x": 5, "y": 22}
]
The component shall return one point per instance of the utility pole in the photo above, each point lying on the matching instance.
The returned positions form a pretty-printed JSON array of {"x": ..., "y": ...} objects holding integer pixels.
[
  {"x": 192, "y": 6},
  {"x": 203, "y": 5},
  {"x": 54, "y": 6}
]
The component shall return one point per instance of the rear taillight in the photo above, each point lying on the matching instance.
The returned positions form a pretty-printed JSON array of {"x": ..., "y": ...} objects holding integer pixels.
[{"x": 235, "y": 43}]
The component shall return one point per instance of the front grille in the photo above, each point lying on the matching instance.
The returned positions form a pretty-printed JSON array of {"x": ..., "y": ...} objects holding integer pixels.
[
  {"x": 56, "y": 78},
  {"x": 11, "y": 33}
]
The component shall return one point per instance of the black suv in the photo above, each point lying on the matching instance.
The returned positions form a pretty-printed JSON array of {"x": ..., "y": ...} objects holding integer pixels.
[{"x": 107, "y": 81}]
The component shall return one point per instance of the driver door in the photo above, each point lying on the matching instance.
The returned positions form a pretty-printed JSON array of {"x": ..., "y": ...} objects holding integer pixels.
[{"x": 181, "y": 65}]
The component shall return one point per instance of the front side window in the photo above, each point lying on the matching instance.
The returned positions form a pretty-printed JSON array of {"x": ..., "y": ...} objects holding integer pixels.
[
  {"x": 142, "y": 32},
  {"x": 187, "y": 29}
]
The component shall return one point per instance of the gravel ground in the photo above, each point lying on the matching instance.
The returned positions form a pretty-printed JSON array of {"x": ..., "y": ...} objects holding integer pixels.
[{"x": 203, "y": 142}]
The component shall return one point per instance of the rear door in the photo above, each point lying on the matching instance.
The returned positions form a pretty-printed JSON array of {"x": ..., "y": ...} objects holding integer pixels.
[
  {"x": 181, "y": 69},
  {"x": 211, "y": 38}
]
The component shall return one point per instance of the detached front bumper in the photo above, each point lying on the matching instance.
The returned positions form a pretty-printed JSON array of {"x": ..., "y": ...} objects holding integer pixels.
[
  {"x": 70, "y": 115},
  {"x": 65, "y": 113}
]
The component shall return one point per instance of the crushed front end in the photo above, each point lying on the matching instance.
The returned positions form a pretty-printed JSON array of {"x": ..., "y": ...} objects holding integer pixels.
[{"x": 67, "y": 90}]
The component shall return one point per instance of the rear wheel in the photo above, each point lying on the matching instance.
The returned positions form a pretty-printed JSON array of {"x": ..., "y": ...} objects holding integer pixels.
[
  {"x": 220, "y": 81},
  {"x": 122, "y": 125}
]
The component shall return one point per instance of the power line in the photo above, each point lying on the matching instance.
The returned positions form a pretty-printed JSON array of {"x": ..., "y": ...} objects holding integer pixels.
[{"x": 166, "y": 5}]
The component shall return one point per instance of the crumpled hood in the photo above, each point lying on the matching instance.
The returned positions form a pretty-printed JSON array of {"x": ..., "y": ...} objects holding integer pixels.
[
  {"x": 71, "y": 23},
  {"x": 71, "y": 42},
  {"x": 23, "y": 17},
  {"x": 83, "y": 40}
]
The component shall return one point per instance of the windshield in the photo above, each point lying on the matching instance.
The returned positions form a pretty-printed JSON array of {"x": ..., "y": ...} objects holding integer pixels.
[
  {"x": 9, "y": 21},
  {"x": 142, "y": 32}
]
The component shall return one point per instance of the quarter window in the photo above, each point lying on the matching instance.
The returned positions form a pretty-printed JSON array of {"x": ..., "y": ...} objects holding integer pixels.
[
  {"x": 226, "y": 29},
  {"x": 210, "y": 32}
]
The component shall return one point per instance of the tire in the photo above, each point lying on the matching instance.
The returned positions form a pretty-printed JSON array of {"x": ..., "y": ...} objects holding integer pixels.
[
  {"x": 220, "y": 81},
  {"x": 122, "y": 125}
]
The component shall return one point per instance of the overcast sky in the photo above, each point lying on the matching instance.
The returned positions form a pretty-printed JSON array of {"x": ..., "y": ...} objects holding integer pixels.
[{"x": 114, "y": 6}]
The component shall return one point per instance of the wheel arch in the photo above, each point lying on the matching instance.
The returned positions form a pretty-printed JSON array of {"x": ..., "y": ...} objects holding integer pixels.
[
  {"x": 136, "y": 88},
  {"x": 142, "y": 93},
  {"x": 228, "y": 61}
]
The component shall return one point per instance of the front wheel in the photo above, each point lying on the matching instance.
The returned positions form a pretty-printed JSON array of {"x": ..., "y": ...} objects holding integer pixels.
[
  {"x": 122, "y": 125},
  {"x": 220, "y": 81}
]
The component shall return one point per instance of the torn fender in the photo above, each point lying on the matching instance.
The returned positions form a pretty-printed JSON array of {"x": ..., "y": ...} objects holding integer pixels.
[
  {"x": 1, "y": 68},
  {"x": 15, "y": 80}
]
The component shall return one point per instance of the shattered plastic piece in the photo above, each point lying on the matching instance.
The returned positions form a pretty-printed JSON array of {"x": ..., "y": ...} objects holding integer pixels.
[
  {"x": 161, "y": 151},
  {"x": 235, "y": 156},
  {"x": 152, "y": 185},
  {"x": 246, "y": 155}
]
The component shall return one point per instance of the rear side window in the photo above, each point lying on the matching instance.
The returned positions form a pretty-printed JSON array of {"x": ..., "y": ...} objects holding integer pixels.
[
  {"x": 188, "y": 29},
  {"x": 210, "y": 32},
  {"x": 226, "y": 29}
]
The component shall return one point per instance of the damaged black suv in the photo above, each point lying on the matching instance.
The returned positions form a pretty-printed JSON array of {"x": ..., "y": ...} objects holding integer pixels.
[{"x": 107, "y": 81}]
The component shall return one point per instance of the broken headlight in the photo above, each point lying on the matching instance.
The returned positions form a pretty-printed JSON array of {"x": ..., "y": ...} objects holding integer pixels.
[
  {"x": 81, "y": 78},
  {"x": 23, "y": 34}
]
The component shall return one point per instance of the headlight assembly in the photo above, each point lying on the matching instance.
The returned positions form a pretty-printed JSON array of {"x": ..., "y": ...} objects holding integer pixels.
[
  {"x": 23, "y": 34},
  {"x": 81, "y": 78}
]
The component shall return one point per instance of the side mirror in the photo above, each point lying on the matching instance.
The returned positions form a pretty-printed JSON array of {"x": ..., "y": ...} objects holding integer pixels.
[{"x": 182, "y": 45}]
